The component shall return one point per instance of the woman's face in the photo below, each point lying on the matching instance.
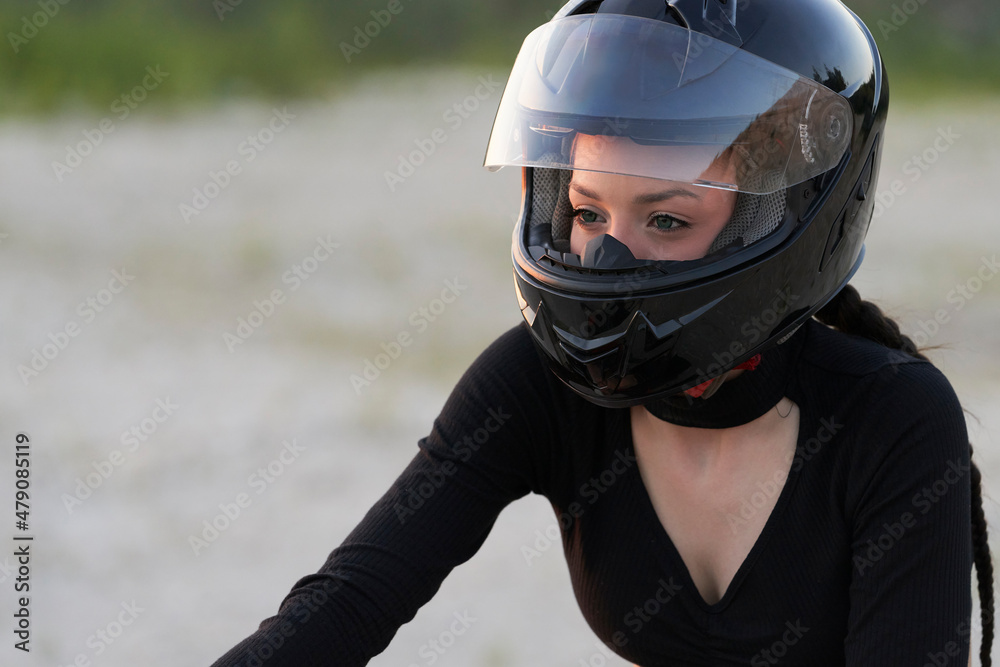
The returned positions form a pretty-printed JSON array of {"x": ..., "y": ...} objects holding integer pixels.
[{"x": 656, "y": 219}]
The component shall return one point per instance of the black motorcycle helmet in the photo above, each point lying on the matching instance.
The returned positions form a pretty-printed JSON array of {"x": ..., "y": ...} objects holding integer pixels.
[{"x": 789, "y": 94}]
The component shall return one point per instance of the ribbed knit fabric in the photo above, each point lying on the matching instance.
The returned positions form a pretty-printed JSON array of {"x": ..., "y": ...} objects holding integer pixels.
[{"x": 865, "y": 559}]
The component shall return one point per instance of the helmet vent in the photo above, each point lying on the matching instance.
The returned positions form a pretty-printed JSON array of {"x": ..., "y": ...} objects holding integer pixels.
[
  {"x": 647, "y": 9},
  {"x": 674, "y": 16}
]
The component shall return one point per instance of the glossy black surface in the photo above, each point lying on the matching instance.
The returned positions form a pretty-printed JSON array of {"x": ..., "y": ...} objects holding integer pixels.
[{"x": 626, "y": 338}]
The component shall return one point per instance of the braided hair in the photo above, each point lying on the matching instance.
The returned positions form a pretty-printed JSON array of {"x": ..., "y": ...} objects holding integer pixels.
[{"x": 849, "y": 313}]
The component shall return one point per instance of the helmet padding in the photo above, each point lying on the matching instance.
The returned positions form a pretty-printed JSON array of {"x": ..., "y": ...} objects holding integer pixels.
[{"x": 754, "y": 216}]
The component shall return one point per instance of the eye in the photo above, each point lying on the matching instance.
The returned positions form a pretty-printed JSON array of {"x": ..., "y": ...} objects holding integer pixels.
[
  {"x": 585, "y": 216},
  {"x": 668, "y": 223}
]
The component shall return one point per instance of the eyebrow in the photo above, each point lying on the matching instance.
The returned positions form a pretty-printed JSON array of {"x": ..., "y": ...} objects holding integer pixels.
[{"x": 644, "y": 198}]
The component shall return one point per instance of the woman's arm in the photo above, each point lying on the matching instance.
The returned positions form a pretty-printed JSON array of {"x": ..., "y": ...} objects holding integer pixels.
[
  {"x": 429, "y": 521},
  {"x": 910, "y": 511},
  {"x": 482, "y": 453}
]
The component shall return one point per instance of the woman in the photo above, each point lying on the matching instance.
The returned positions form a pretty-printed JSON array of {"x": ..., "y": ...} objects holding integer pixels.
[{"x": 791, "y": 480}]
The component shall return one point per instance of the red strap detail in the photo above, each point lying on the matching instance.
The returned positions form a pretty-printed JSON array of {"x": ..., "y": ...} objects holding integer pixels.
[
  {"x": 749, "y": 365},
  {"x": 698, "y": 390}
]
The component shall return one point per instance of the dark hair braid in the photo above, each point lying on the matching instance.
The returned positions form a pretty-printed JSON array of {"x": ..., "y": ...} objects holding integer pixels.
[
  {"x": 984, "y": 566},
  {"x": 849, "y": 313}
]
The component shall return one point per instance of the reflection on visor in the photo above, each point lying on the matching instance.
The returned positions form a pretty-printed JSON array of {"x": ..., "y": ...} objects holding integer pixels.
[
  {"x": 551, "y": 130},
  {"x": 657, "y": 85}
]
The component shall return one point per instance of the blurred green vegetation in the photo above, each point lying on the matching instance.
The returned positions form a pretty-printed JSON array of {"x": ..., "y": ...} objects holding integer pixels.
[
  {"x": 934, "y": 50},
  {"x": 90, "y": 52}
]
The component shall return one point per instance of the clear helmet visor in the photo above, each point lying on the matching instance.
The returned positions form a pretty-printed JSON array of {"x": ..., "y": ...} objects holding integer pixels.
[{"x": 638, "y": 97}]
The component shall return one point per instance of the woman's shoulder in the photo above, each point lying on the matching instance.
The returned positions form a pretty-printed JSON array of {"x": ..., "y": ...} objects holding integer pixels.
[
  {"x": 512, "y": 359},
  {"x": 515, "y": 362},
  {"x": 513, "y": 371},
  {"x": 857, "y": 361},
  {"x": 515, "y": 343},
  {"x": 885, "y": 388},
  {"x": 516, "y": 416},
  {"x": 847, "y": 354}
]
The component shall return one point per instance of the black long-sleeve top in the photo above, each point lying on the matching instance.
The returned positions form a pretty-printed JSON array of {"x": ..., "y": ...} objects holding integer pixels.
[{"x": 865, "y": 559}]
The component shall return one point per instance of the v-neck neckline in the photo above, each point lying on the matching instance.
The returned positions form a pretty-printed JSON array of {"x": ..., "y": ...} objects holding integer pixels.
[{"x": 663, "y": 537}]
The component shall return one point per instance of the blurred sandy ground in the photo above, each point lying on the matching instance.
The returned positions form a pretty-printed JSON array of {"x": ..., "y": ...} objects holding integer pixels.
[{"x": 163, "y": 337}]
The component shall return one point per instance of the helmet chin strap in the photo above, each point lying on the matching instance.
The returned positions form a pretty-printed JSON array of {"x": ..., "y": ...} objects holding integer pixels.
[
  {"x": 739, "y": 400},
  {"x": 709, "y": 387}
]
